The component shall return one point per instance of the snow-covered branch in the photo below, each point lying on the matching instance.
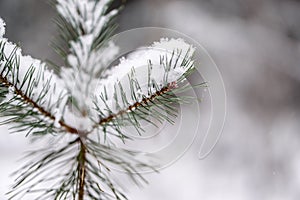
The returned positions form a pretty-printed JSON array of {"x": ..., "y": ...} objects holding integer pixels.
[
  {"x": 146, "y": 78},
  {"x": 89, "y": 99},
  {"x": 35, "y": 94},
  {"x": 89, "y": 51}
]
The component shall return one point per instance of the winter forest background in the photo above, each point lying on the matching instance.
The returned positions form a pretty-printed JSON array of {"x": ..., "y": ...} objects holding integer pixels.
[{"x": 256, "y": 45}]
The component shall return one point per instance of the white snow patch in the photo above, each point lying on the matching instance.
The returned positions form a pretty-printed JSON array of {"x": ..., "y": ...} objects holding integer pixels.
[
  {"x": 10, "y": 95},
  {"x": 43, "y": 79},
  {"x": 2, "y": 27},
  {"x": 172, "y": 51},
  {"x": 85, "y": 60}
]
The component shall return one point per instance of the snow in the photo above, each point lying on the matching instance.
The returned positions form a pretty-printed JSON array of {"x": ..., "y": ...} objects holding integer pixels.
[
  {"x": 2, "y": 28},
  {"x": 86, "y": 13},
  {"x": 154, "y": 53},
  {"x": 92, "y": 61},
  {"x": 139, "y": 61},
  {"x": 81, "y": 79},
  {"x": 10, "y": 94},
  {"x": 43, "y": 79},
  {"x": 86, "y": 62},
  {"x": 57, "y": 115}
]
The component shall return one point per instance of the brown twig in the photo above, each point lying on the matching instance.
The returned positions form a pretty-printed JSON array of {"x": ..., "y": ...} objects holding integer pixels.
[
  {"x": 31, "y": 102},
  {"x": 81, "y": 170},
  {"x": 145, "y": 100}
]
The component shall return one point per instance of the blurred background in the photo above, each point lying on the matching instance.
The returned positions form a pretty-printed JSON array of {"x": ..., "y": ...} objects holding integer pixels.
[{"x": 256, "y": 45}]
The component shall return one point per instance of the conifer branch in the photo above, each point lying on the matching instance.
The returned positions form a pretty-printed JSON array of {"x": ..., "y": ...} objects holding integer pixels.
[
  {"x": 82, "y": 170},
  {"x": 31, "y": 97},
  {"x": 35, "y": 105},
  {"x": 144, "y": 102},
  {"x": 35, "y": 100},
  {"x": 167, "y": 71}
]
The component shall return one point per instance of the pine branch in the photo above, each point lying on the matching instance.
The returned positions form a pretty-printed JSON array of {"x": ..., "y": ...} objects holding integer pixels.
[
  {"x": 144, "y": 102},
  {"x": 82, "y": 171},
  {"x": 34, "y": 99},
  {"x": 85, "y": 27},
  {"x": 49, "y": 167},
  {"x": 30, "y": 102},
  {"x": 167, "y": 71},
  {"x": 76, "y": 170}
]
